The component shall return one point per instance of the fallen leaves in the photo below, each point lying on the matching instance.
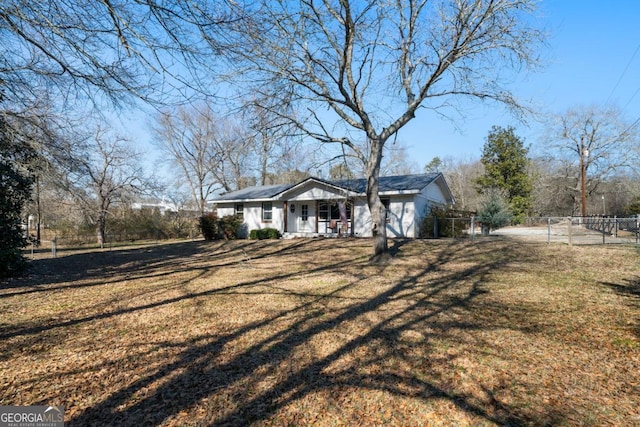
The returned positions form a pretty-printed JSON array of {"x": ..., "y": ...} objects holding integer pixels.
[{"x": 306, "y": 332}]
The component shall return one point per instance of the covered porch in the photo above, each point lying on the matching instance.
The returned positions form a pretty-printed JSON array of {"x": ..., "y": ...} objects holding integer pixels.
[{"x": 316, "y": 218}]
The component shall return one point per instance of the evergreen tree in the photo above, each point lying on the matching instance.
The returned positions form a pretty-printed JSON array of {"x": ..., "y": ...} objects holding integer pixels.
[
  {"x": 505, "y": 162},
  {"x": 494, "y": 213},
  {"x": 434, "y": 166},
  {"x": 15, "y": 190}
]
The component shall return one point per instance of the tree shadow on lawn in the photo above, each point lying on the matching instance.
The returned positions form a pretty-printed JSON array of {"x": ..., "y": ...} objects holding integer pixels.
[
  {"x": 275, "y": 370},
  {"x": 103, "y": 267},
  {"x": 630, "y": 290},
  {"x": 149, "y": 264},
  {"x": 200, "y": 260}
]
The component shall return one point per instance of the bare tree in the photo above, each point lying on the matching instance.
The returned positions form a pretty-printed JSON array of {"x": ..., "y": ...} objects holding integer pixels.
[
  {"x": 374, "y": 64},
  {"x": 273, "y": 137},
  {"x": 397, "y": 161},
  {"x": 597, "y": 137},
  {"x": 210, "y": 153},
  {"x": 76, "y": 49},
  {"x": 106, "y": 174},
  {"x": 75, "y": 53},
  {"x": 461, "y": 174}
]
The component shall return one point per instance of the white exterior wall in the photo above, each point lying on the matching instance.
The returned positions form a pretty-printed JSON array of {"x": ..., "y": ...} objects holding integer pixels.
[
  {"x": 225, "y": 210},
  {"x": 434, "y": 193},
  {"x": 430, "y": 196},
  {"x": 402, "y": 217},
  {"x": 361, "y": 218},
  {"x": 295, "y": 222},
  {"x": 253, "y": 215}
]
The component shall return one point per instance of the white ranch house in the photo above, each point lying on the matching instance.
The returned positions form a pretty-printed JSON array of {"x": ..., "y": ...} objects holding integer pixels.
[{"x": 318, "y": 207}]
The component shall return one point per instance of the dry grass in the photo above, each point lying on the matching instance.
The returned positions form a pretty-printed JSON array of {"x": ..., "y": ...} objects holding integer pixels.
[{"x": 306, "y": 332}]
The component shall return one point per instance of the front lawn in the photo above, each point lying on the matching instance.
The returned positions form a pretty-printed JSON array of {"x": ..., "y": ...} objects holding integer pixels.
[{"x": 307, "y": 332}]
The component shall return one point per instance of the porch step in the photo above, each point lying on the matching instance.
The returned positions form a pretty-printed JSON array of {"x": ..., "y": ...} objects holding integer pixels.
[{"x": 289, "y": 235}]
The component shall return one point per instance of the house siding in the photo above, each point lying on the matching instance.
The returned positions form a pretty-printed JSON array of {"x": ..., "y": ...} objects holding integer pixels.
[
  {"x": 407, "y": 205},
  {"x": 402, "y": 218},
  {"x": 253, "y": 215}
]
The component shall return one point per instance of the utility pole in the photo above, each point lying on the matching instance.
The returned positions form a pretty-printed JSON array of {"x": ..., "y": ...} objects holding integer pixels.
[{"x": 583, "y": 176}]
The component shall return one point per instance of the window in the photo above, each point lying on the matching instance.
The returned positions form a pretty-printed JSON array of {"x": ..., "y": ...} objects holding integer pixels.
[
  {"x": 331, "y": 211},
  {"x": 323, "y": 211},
  {"x": 240, "y": 210},
  {"x": 267, "y": 211},
  {"x": 386, "y": 202},
  {"x": 304, "y": 212}
]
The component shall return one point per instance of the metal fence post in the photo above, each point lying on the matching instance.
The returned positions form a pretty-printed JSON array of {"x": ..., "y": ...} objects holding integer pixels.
[
  {"x": 570, "y": 231},
  {"x": 548, "y": 230},
  {"x": 54, "y": 244},
  {"x": 603, "y": 229},
  {"x": 473, "y": 228}
]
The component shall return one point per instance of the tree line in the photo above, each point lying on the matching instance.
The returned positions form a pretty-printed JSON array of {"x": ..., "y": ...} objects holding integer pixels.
[
  {"x": 241, "y": 92},
  {"x": 595, "y": 144}
]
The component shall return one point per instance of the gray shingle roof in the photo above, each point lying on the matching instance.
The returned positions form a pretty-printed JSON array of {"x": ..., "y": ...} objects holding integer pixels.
[
  {"x": 254, "y": 193},
  {"x": 386, "y": 184}
]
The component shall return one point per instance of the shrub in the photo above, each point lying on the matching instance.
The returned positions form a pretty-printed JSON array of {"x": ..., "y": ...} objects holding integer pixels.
[
  {"x": 633, "y": 208},
  {"x": 442, "y": 219},
  {"x": 230, "y": 227},
  {"x": 209, "y": 226},
  {"x": 494, "y": 213},
  {"x": 264, "y": 233},
  {"x": 15, "y": 189}
]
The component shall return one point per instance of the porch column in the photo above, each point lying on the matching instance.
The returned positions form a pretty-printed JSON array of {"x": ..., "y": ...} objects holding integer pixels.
[
  {"x": 353, "y": 215},
  {"x": 285, "y": 216},
  {"x": 317, "y": 214}
]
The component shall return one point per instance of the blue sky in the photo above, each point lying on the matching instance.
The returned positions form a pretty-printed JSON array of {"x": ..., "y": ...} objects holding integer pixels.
[
  {"x": 592, "y": 57},
  {"x": 589, "y": 60}
]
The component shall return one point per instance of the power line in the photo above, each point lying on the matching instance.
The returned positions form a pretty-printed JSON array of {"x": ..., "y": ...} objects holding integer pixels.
[
  {"x": 623, "y": 74},
  {"x": 630, "y": 99}
]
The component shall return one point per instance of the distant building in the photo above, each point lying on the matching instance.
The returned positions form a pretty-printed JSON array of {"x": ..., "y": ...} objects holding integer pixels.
[{"x": 162, "y": 206}]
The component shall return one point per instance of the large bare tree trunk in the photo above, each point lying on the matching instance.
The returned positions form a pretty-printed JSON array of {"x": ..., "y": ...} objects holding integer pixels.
[
  {"x": 377, "y": 209},
  {"x": 374, "y": 64},
  {"x": 101, "y": 229}
]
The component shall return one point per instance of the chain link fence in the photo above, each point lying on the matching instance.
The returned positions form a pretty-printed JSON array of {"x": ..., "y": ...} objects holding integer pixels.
[
  {"x": 54, "y": 240},
  {"x": 569, "y": 230}
]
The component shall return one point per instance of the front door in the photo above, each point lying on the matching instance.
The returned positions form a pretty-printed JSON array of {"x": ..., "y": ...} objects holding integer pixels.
[{"x": 301, "y": 217}]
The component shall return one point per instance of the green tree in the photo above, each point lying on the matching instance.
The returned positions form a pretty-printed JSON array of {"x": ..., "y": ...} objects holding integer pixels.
[
  {"x": 434, "y": 166},
  {"x": 494, "y": 212},
  {"x": 15, "y": 190},
  {"x": 633, "y": 208},
  {"x": 505, "y": 162}
]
